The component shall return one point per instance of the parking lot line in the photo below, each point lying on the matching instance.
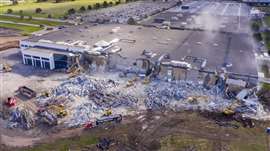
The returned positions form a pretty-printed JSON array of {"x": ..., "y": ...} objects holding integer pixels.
[
  {"x": 225, "y": 8},
  {"x": 239, "y": 16}
]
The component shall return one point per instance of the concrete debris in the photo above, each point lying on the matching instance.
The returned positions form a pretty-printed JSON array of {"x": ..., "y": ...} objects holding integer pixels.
[
  {"x": 184, "y": 95},
  {"x": 88, "y": 98},
  {"x": 21, "y": 118}
]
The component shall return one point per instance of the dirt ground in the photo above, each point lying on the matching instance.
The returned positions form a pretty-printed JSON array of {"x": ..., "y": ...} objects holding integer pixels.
[
  {"x": 36, "y": 79},
  {"x": 4, "y": 32},
  {"x": 168, "y": 131}
]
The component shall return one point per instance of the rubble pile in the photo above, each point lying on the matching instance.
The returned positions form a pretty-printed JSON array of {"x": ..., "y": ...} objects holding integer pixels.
[
  {"x": 183, "y": 94},
  {"x": 21, "y": 118},
  {"x": 87, "y": 98}
]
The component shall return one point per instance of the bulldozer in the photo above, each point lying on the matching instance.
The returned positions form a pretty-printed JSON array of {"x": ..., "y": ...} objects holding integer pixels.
[
  {"x": 58, "y": 110},
  {"x": 230, "y": 110},
  {"x": 107, "y": 112}
]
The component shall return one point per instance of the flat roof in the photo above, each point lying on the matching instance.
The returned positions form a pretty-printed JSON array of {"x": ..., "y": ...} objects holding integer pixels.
[
  {"x": 44, "y": 51},
  {"x": 213, "y": 46}
]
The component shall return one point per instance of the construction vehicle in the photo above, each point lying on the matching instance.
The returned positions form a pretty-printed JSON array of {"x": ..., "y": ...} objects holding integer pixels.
[
  {"x": 75, "y": 72},
  {"x": 25, "y": 91},
  {"x": 5, "y": 68},
  {"x": 58, "y": 110},
  {"x": 230, "y": 110},
  {"x": 10, "y": 102},
  {"x": 107, "y": 112},
  {"x": 131, "y": 82},
  {"x": 146, "y": 80},
  {"x": 112, "y": 118}
]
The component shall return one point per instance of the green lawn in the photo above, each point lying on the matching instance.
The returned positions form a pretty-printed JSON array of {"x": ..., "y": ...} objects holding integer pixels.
[
  {"x": 32, "y": 21},
  {"x": 22, "y": 28},
  {"x": 57, "y": 10}
]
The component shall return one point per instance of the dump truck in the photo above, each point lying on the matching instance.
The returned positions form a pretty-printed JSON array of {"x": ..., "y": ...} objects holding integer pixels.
[
  {"x": 112, "y": 118},
  {"x": 25, "y": 91}
]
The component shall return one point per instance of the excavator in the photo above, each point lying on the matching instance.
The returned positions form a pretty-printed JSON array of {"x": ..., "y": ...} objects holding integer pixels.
[{"x": 75, "y": 69}]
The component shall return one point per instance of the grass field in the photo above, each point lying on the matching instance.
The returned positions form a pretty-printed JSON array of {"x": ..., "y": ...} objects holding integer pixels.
[
  {"x": 57, "y": 10},
  {"x": 32, "y": 21},
  {"x": 24, "y": 29}
]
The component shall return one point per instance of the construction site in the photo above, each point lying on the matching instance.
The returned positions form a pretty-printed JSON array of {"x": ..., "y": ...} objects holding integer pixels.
[{"x": 149, "y": 86}]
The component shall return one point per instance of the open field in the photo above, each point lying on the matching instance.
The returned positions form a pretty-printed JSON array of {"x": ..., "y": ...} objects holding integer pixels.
[
  {"x": 57, "y": 10},
  {"x": 32, "y": 21},
  {"x": 24, "y": 29}
]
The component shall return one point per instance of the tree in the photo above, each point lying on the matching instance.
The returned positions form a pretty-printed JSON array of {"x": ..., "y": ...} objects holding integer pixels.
[
  {"x": 21, "y": 11},
  {"x": 97, "y": 6},
  {"x": 82, "y": 9},
  {"x": 71, "y": 11},
  {"x": 38, "y": 10},
  {"x": 131, "y": 21},
  {"x": 89, "y": 7},
  {"x": 14, "y": 2},
  {"x": 111, "y": 3},
  {"x": 9, "y": 11},
  {"x": 117, "y": 2},
  {"x": 105, "y": 4}
]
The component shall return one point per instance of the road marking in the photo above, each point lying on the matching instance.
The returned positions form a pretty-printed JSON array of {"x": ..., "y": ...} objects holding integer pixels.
[
  {"x": 239, "y": 16},
  {"x": 224, "y": 10}
]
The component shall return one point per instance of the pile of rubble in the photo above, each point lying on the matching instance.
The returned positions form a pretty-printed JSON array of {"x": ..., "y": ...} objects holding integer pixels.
[
  {"x": 87, "y": 98},
  {"x": 184, "y": 95},
  {"x": 21, "y": 118}
]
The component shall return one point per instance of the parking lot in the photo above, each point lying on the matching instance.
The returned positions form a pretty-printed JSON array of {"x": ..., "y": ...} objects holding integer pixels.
[{"x": 206, "y": 15}]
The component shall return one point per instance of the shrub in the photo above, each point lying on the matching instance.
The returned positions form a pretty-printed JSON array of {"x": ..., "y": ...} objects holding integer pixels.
[
  {"x": 97, "y": 6},
  {"x": 111, "y": 4},
  {"x": 258, "y": 36},
  {"x": 105, "y": 4},
  {"x": 9, "y": 11},
  {"x": 38, "y": 10},
  {"x": 82, "y": 9},
  {"x": 71, "y": 11},
  {"x": 89, "y": 7}
]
